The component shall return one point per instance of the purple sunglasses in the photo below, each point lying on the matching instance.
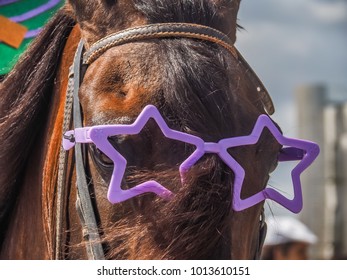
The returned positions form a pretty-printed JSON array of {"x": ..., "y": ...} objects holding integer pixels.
[{"x": 294, "y": 149}]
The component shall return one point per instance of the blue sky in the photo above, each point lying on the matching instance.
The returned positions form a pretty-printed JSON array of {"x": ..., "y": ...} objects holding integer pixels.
[
  {"x": 295, "y": 42},
  {"x": 290, "y": 43}
]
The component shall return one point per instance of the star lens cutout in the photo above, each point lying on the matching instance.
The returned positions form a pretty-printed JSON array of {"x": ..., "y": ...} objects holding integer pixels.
[{"x": 293, "y": 150}]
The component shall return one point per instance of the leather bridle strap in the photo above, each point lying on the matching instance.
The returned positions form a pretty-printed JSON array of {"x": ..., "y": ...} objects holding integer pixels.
[
  {"x": 159, "y": 31},
  {"x": 62, "y": 172},
  {"x": 84, "y": 203},
  {"x": 261, "y": 236}
]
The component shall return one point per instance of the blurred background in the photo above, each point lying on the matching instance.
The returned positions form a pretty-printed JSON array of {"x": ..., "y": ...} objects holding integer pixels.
[
  {"x": 299, "y": 50},
  {"x": 27, "y": 17}
]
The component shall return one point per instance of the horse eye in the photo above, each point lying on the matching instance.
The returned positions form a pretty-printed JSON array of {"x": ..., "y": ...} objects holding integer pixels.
[
  {"x": 100, "y": 158},
  {"x": 103, "y": 158}
]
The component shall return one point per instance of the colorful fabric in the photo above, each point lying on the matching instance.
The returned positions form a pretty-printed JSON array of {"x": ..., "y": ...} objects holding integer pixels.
[{"x": 33, "y": 14}]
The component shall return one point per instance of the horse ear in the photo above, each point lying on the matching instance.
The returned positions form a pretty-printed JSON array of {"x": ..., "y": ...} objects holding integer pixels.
[
  {"x": 89, "y": 13},
  {"x": 227, "y": 16},
  {"x": 99, "y": 18},
  {"x": 83, "y": 10}
]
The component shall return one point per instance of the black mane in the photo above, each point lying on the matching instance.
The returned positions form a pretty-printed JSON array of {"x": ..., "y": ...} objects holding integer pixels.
[{"x": 158, "y": 11}]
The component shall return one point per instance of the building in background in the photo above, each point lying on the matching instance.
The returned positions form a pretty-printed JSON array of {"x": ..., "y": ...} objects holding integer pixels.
[{"x": 322, "y": 118}]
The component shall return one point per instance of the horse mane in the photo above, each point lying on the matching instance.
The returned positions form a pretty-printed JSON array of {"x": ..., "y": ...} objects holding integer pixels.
[
  {"x": 202, "y": 12},
  {"x": 25, "y": 96}
]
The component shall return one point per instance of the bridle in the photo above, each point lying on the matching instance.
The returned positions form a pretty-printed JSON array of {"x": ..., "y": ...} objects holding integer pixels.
[{"x": 73, "y": 112}]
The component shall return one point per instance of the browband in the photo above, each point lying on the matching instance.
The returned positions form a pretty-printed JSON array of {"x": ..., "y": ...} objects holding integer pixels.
[
  {"x": 156, "y": 31},
  {"x": 178, "y": 30}
]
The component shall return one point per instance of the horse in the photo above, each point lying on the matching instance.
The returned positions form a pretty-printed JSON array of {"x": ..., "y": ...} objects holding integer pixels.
[{"x": 200, "y": 85}]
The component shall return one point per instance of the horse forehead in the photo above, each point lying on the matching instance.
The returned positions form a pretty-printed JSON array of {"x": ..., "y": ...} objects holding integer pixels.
[
  {"x": 129, "y": 62},
  {"x": 118, "y": 84}
]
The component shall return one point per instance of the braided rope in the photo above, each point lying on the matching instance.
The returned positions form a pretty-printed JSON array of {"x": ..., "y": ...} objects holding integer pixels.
[
  {"x": 156, "y": 31},
  {"x": 63, "y": 157}
]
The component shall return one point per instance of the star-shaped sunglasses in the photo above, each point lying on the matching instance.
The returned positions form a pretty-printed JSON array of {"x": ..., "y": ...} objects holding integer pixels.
[{"x": 293, "y": 150}]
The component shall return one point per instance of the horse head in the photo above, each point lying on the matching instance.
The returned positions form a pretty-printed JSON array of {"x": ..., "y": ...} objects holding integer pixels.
[
  {"x": 200, "y": 88},
  {"x": 172, "y": 135}
]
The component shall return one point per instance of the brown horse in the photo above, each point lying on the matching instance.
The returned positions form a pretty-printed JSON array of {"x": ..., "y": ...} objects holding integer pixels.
[{"x": 199, "y": 87}]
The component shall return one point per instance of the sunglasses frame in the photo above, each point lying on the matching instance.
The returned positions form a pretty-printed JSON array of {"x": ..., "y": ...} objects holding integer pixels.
[{"x": 294, "y": 149}]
